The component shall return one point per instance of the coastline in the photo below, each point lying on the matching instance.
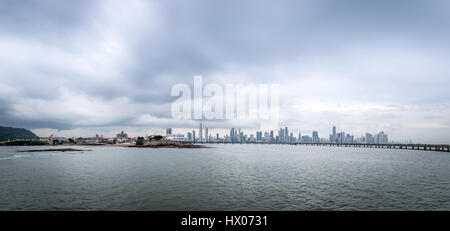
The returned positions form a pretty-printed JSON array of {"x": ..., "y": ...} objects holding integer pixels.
[{"x": 152, "y": 144}]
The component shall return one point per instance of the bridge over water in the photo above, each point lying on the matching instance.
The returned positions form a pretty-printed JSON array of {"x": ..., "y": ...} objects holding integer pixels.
[{"x": 425, "y": 147}]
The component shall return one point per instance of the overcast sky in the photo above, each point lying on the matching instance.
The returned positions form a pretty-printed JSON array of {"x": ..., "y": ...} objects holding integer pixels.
[{"x": 85, "y": 67}]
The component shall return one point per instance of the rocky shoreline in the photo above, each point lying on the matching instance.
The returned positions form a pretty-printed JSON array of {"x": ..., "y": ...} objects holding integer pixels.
[
  {"x": 55, "y": 150},
  {"x": 167, "y": 144},
  {"x": 146, "y": 144}
]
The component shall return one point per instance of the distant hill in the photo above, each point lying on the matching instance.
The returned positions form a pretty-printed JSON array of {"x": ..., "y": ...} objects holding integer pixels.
[{"x": 9, "y": 133}]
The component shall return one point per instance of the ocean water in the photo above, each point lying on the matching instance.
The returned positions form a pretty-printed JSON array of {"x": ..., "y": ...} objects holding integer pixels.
[{"x": 225, "y": 177}]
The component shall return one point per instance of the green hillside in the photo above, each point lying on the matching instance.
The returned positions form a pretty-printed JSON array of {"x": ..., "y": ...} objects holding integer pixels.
[{"x": 9, "y": 133}]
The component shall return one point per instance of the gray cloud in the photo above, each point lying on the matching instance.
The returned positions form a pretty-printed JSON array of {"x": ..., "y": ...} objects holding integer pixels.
[{"x": 67, "y": 65}]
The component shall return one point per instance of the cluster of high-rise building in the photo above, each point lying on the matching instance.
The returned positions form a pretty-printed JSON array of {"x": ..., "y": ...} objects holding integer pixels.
[
  {"x": 283, "y": 135},
  {"x": 341, "y": 137}
]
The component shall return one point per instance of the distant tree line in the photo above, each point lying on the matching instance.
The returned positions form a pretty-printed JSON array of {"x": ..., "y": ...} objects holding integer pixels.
[
  {"x": 140, "y": 139},
  {"x": 24, "y": 142}
]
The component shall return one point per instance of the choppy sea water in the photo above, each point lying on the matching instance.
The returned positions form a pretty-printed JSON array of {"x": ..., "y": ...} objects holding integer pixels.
[{"x": 225, "y": 177}]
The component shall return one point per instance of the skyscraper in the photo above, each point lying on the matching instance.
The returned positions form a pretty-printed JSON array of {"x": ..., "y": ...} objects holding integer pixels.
[
  {"x": 168, "y": 131},
  {"x": 200, "y": 133},
  {"x": 349, "y": 139},
  {"x": 369, "y": 138},
  {"x": 267, "y": 137},
  {"x": 341, "y": 137},
  {"x": 334, "y": 135},
  {"x": 281, "y": 135},
  {"x": 232, "y": 135},
  {"x": 259, "y": 136},
  {"x": 315, "y": 137},
  {"x": 286, "y": 134},
  {"x": 241, "y": 136},
  {"x": 206, "y": 134},
  {"x": 193, "y": 135},
  {"x": 381, "y": 138},
  {"x": 271, "y": 136}
]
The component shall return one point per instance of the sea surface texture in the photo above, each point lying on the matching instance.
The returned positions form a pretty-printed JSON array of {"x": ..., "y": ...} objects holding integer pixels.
[{"x": 225, "y": 177}]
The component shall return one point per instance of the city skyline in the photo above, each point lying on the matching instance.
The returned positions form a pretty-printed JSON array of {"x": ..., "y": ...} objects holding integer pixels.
[
  {"x": 237, "y": 135},
  {"x": 282, "y": 135},
  {"x": 203, "y": 130}
]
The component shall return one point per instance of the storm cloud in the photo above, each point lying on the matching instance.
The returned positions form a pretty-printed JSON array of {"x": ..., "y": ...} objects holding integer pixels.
[{"x": 98, "y": 66}]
